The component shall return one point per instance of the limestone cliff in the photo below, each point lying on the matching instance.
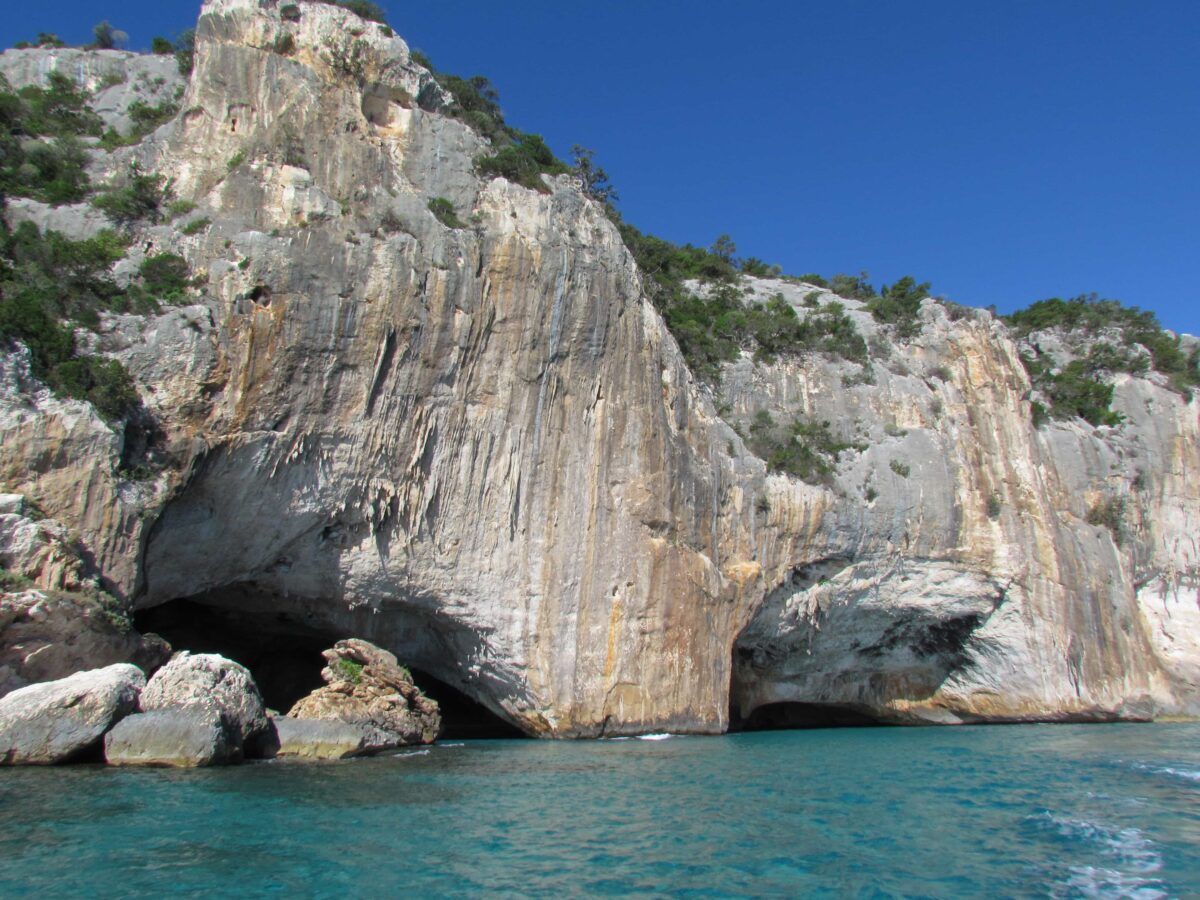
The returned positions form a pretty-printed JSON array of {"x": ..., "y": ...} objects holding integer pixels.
[{"x": 481, "y": 448}]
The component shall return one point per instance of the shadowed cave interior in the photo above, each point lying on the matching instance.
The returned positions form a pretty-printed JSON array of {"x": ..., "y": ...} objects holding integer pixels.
[
  {"x": 284, "y": 656},
  {"x": 784, "y": 716}
]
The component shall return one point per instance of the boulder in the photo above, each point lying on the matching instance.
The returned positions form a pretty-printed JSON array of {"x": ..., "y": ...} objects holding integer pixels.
[
  {"x": 47, "y": 635},
  {"x": 180, "y": 738},
  {"x": 366, "y": 687},
  {"x": 57, "y": 720},
  {"x": 215, "y": 684},
  {"x": 322, "y": 738}
]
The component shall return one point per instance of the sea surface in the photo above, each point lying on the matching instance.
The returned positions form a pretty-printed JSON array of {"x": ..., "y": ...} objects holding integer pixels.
[{"x": 1004, "y": 811}]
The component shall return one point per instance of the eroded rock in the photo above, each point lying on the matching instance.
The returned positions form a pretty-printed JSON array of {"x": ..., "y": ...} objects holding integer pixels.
[
  {"x": 176, "y": 738},
  {"x": 57, "y": 720},
  {"x": 213, "y": 684},
  {"x": 322, "y": 738},
  {"x": 366, "y": 688}
]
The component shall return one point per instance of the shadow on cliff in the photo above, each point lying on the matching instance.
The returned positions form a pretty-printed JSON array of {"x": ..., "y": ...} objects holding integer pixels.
[{"x": 285, "y": 658}]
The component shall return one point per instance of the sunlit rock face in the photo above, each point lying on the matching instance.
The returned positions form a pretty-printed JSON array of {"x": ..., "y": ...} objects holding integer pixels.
[{"x": 480, "y": 447}]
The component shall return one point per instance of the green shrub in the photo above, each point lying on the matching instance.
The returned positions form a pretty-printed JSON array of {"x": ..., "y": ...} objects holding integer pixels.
[
  {"x": 899, "y": 305},
  {"x": 185, "y": 52},
  {"x": 160, "y": 46},
  {"x": 139, "y": 198},
  {"x": 363, "y": 8},
  {"x": 236, "y": 160},
  {"x": 165, "y": 276},
  {"x": 45, "y": 279},
  {"x": 285, "y": 44},
  {"x": 1091, "y": 318},
  {"x": 993, "y": 506},
  {"x": 195, "y": 226},
  {"x": 807, "y": 450},
  {"x": 901, "y": 469},
  {"x": 1109, "y": 512},
  {"x": 854, "y": 286},
  {"x": 523, "y": 162},
  {"x": 443, "y": 209},
  {"x": 757, "y": 268},
  {"x": 347, "y": 669},
  {"x": 810, "y": 278}
]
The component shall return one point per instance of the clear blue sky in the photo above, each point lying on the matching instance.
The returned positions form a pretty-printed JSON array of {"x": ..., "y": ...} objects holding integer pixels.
[{"x": 1006, "y": 150}]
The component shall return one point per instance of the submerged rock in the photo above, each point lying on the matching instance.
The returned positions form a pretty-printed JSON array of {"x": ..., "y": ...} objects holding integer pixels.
[
  {"x": 366, "y": 688},
  {"x": 57, "y": 720},
  {"x": 211, "y": 683},
  {"x": 180, "y": 738}
]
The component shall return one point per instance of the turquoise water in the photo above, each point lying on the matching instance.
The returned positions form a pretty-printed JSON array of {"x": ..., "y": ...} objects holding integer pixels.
[{"x": 1041, "y": 810}]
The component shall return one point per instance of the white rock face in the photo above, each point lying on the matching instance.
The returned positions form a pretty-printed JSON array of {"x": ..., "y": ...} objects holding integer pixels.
[
  {"x": 56, "y": 720},
  {"x": 211, "y": 684},
  {"x": 481, "y": 449}
]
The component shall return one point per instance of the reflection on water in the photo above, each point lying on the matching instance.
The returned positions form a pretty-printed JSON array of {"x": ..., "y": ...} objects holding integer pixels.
[{"x": 1062, "y": 811}]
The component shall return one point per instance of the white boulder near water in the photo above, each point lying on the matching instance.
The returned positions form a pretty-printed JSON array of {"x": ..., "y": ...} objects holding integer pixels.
[
  {"x": 56, "y": 721},
  {"x": 213, "y": 686}
]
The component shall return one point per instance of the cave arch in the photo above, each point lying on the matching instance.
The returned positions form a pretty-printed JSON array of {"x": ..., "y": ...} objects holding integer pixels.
[{"x": 282, "y": 650}]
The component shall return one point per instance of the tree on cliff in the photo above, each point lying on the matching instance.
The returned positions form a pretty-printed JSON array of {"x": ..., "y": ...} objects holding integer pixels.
[{"x": 107, "y": 37}]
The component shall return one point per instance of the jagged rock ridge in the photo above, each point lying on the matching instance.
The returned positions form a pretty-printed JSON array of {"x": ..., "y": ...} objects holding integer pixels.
[{"x": 481, "y": 448}]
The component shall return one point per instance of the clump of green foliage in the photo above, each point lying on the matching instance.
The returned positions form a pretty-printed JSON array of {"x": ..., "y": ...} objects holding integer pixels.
[
  {"x": 195, "y": 226},
  {"x": 347, "y": 669},
  {"x": 49, "y": 285},
  {"x": 1109, "y": 512},
  {"x": 807, "y": 450},
  {"x": 899, "y": 305},
  {"x": 1141, "y": 343},
  {"x": 523, "y": 161},
  {"x": 901, "y": 469},
  {"x": 993, "y": 506},
  {"x": 40, "y": 153},
  {"x": 145, "y": 119},
  {"x": 44, "y": 39},
  {"x": 363, "y": 8},
  {"x": 444, "y": 211},
  {"x": 519, "y": 157},
  {"x": 138, "y": 197}
]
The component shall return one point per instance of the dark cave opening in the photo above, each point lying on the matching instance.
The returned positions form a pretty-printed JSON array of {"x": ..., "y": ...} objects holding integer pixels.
[
  {"x": 284, "y": 656},
  {"x": 788, "y": 716}
]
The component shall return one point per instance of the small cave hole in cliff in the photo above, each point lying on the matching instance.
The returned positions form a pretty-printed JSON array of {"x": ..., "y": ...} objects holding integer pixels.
[
  {"x": 284, "y": 656},
  {"x": 783, "y": 716}
]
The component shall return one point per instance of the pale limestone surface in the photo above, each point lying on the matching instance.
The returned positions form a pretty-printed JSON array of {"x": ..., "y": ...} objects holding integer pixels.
[
  {"x": 481, "y": 449},
  {"x": 212, "y": 684},
  {"x": 54, "y": 721}
]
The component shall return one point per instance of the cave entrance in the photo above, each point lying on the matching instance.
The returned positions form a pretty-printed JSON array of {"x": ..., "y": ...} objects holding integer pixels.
[
  {"x": 283, "y": 656},
  {"x": 462, "y": 717},
  {"x": 283, "y": 653},
  {"x": 787, "y": 715}
]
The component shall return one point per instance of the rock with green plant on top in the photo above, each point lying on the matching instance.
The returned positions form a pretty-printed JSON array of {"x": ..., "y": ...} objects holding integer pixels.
[{"x": 367, "y": 690}]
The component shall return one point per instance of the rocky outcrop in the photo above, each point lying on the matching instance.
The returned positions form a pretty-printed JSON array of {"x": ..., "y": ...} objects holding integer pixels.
[
  {"x": 314, "y": 739},
  {"x": 481, "y": 448},
  {"x": 47, "y": 635},
  {"x": 367, "y": 690},
  {"x": 174, "y": 738},
  {"x": 212, "y": 686},
  {"x": 55, "y": 721}
]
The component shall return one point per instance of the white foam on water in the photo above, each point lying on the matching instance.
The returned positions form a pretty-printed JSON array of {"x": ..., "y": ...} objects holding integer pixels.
[
  {"x": 1185, "y": 774},
  {"x": 655, "y": 737},
  {"x": 452, "y": 745},
  {"x": 410, "y": 753},
  {"x": 1134, "y": 859}
]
